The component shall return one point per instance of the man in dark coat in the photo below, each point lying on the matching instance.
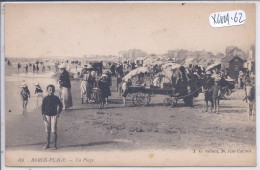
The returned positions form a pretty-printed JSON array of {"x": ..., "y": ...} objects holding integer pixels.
[{"x": 208, "y": 83}]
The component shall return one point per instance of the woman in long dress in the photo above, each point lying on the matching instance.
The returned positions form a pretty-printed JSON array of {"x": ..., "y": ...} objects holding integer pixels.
[
  {"x": 86, "y": 87},
  {"x": 65, "y": 86}
]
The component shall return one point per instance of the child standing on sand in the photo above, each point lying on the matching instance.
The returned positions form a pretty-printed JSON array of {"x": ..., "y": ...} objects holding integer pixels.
[
  {"x": 25, "y": 94},
  {"x": 50, "y": 114},
  {"x": 39, "y": 92},
  {"x": 38, "y": 89}
]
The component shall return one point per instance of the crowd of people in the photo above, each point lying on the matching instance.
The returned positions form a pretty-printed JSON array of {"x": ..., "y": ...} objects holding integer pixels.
[
  {"x": 214, "y": 83},
  {"x": 185, "y": 81},
  {"x": 34, "y": 67}
]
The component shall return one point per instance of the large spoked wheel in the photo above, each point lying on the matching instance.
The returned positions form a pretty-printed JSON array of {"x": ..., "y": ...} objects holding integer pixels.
[
  {"x": 140, "y": 99},
  {"x": 96, "y": 96}
]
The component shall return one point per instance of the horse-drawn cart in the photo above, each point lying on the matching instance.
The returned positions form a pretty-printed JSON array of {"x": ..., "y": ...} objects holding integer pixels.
[
  {"x": 159, "y": 84},
  {"x": 141, "y": 96}
]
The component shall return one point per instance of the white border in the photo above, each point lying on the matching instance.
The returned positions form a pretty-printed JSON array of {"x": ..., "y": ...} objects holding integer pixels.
[{"x": 257, "y": 45}]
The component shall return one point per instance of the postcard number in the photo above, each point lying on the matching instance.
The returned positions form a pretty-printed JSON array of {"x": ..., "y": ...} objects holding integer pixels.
[{"x": 228, "y": 18}]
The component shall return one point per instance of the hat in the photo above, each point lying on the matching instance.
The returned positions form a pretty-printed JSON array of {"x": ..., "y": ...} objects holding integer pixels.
[
  {"x": 104, "y": 75},
  {"x": 23, "y": 84},
  {"x": 90, "y": 66},
  {"x": 36, "y": 84},
  {"x": 208, "y": 72},
  {"x": 62, "y": 66},
  {"x": 217, "y": 79}
]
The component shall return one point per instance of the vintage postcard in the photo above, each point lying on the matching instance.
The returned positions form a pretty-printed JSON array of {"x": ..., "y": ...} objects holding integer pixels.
[{"x": 129, "y": 84}]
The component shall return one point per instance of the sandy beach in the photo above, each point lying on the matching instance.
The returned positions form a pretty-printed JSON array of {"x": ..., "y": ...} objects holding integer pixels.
[
  {"x": 157, "y": 126},
  {"x": 86, "y": 128}
]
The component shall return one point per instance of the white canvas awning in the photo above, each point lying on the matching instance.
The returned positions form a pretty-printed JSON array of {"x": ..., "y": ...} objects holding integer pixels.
[
  {"x": 216, "y": 64},
  {"x": 136, "y": 71}
]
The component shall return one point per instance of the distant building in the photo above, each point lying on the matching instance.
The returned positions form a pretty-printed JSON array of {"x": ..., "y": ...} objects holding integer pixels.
[
  {"x": 123, "y": 55},
  {"x": 172, "y": 54},
  {"x": 235, "y": 51},
  {"x": 132, "y": 54},
  {"x": 234, "y": 64}
]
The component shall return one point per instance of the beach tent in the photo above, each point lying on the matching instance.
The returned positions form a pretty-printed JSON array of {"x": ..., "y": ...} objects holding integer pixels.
[
  {"x": 168, "y": 70},
  {"x": 188, "y": 61},
  {"x": 149, "y": 60},
  {"x": 170, "y": 65},
  {"x": 158, "y": 63}
]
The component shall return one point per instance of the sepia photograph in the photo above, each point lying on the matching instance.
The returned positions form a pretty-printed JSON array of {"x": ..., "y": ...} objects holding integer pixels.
[{"x": 129, "y": 84}]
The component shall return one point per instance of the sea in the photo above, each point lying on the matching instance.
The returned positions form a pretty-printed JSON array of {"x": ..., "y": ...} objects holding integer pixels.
[{"x": 13, "y": 103}]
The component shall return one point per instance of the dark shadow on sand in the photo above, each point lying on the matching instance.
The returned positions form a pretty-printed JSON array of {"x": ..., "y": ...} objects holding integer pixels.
[
  {"x": 89, "y": 144},
  {"x": 34, "y": 144},
  {"x": 69, "y": 146}
]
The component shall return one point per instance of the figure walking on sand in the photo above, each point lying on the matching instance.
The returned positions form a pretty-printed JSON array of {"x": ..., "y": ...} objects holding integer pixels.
[
  {"x": 103, "y": 85},
  {"x": 216, "y": 95},
  {"x": 208, "y": 83},
  {"x": 25, "y": 94},
  {"x": 38, "y": 92},
  {"x": 50, "y": 115},
  {"x": 124, "y": 91},
  {"x": 109, "y": 81},
  {"x": 85, "y": 86},
  {"x": 65, "y": 85}
]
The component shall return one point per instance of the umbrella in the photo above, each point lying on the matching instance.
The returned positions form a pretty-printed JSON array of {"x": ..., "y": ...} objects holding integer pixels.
[
  {"x": 188, "y": 61},
  {"x": 136, "y": 71},
  {"x": 213, "y": 66},
  {"x": 171, "y": 66},
  {"x": 158, "y": 63}
]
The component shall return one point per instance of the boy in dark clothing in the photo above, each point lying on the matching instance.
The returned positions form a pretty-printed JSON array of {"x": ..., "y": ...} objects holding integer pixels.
[{"x": 50, "y": 114}]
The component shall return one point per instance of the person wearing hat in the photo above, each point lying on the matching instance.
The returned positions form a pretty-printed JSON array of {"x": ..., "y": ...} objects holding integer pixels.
[
  {"x": 25, "y": 95},
  {"x": 109, "y": 80},
  {"x": 208, "y": 82},
  {"x": 103, "y": 85},
  {"x": 38, "y": 91},
  {"x": 216, "y": 95},
  {"x": 86, "y": 87},
  {"x": 38, "y": 88},
  {"x": 240, "y": 79},
  {"x": 65, "y": 85},
  {"x": 250, "y": 97}
]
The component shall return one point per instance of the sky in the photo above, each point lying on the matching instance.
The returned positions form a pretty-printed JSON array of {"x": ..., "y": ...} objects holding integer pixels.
[{"x": 77, "y": 29}]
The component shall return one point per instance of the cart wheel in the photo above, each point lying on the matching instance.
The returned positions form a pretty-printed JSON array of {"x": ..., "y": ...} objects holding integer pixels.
[
  {"x": 148, "y": 97},
  {"x": 141, "y": 99},
  {"x": 167, "y": 101},
  {"x": 96, "y": 96},
  {"x": 134, "y": 100}
]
